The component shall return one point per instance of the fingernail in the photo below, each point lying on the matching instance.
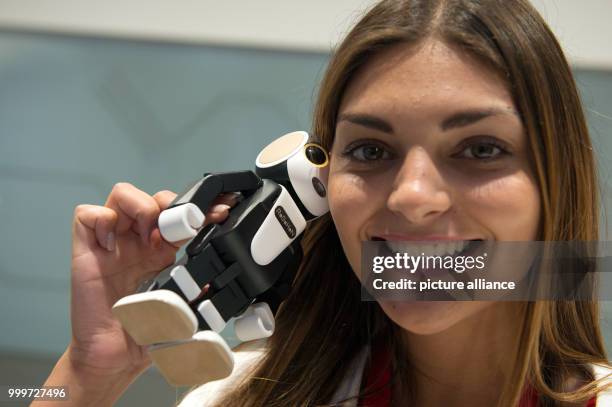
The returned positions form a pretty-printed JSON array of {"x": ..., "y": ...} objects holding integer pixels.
[
  {"x": 233, "y": 197},
  {"x": 110, "y": 242}
]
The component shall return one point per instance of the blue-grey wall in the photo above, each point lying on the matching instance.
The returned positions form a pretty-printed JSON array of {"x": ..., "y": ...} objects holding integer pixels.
[{"x": 78, "y": 115}]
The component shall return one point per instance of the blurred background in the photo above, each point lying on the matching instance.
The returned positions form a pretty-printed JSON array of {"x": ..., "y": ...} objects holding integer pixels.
[{"x": 156, "y": 93}]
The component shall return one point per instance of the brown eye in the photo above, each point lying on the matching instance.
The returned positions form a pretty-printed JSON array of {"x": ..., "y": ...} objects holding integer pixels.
[
  {"x": 369, "y": 152},
  {"x": 482, "y": 150}
]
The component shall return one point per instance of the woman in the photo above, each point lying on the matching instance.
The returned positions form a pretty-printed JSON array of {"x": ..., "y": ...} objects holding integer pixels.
[{"x": 445, "y": 120}]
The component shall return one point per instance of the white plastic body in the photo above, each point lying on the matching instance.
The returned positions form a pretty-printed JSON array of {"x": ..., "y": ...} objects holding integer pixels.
[
  {"x": 257, "y": 322},
  {"x": 271, "y": 238},
  {"x": 180, "y": 222},
  {"x": 211, "y": 315},
  {"x": 297, "y": 149},
  {"x": 185, "y": 282},
  {"x": 301, "y": 173}
]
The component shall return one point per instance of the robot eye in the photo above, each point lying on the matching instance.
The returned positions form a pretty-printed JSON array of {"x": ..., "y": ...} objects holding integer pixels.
[{"x": 316, "y": 154}]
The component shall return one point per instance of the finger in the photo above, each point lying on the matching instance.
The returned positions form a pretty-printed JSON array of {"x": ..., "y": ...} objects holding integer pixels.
[
  {"x": 230, "y": 198},
  {"x": 99, "y": 222},
  {"x": 164, "y": 198},
  {"x": 133, "y": 206},
  {"x": 217, "y": 213},
  {"x": 219, "y": 209}
]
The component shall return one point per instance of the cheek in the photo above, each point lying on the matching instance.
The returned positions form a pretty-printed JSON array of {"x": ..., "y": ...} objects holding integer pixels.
[
  {"x": 345, "y": 189},
  {"x": 349, "y": 190},
  {"x": 345, "y": 192},
  {"x": 509, "y": 207},
  {"x": 350, "y": 205}
]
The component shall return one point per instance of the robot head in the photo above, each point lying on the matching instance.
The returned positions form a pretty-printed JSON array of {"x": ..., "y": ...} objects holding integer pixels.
[{"x": 301, "y": 167}]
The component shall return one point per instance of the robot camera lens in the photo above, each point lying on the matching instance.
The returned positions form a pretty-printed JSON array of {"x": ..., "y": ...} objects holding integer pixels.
[
  {"x": 318, "y": 187},
  {"x": 316, "y": 155}
]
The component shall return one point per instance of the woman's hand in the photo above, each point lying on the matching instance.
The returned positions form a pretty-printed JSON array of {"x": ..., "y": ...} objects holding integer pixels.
[{"x": 114, "y": 248}]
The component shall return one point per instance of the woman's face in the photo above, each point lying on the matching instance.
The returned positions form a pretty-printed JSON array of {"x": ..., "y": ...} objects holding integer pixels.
[{"x": 429, "y": 146}]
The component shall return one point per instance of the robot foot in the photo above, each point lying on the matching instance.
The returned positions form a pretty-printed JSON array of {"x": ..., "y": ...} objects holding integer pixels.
[
  {"x": 202, "y": 358},
  {"x": 155, "y": 317},
  {"x": 256, "y": 322}
]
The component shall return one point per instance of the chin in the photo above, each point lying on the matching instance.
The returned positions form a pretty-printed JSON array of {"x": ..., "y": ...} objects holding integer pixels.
[{"x": 428, "y": 317}]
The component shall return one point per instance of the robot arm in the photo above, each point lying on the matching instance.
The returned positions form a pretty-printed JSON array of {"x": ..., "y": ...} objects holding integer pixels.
[
  {"x": 241, "y": 269},
  {"x": 185, "y": 215}
]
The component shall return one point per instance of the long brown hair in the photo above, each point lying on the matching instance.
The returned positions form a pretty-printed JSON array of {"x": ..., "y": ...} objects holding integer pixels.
[{"x": 323, "y": 324}]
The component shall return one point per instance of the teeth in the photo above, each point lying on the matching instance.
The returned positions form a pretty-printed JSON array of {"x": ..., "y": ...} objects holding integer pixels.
[
  {"x": 433, "y": 249},
  {"x": 400, "y": 247}
]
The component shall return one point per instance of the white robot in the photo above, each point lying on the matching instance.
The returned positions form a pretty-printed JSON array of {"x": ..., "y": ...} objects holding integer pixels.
[{"x": 242, "y": 268}]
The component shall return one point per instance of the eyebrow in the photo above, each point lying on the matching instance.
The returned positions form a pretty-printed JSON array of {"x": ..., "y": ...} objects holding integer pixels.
[
  {"x": 367, "y": 120},
  {"x": 467, "y": 117},
  {"x": 456, "y": 120}
]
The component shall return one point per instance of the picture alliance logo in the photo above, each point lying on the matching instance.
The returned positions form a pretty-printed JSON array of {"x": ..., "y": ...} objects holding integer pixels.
[{"x": 285, "y": 221}]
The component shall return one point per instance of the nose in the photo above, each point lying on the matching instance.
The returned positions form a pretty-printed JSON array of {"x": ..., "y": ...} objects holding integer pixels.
[{"x": 419, "y": 192}]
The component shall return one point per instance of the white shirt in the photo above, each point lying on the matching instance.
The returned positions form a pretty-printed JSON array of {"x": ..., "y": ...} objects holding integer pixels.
[{"x": 250, "y": 353}]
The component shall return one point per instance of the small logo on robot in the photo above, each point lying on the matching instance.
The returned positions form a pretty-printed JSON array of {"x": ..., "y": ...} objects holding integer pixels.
[{"x": 285, "y": 222}]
